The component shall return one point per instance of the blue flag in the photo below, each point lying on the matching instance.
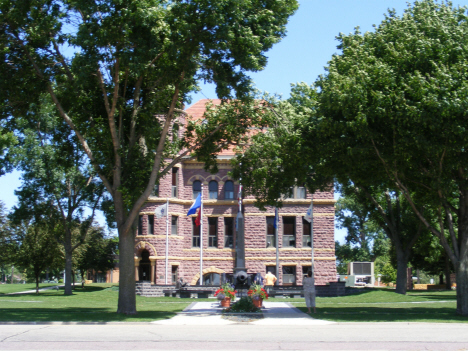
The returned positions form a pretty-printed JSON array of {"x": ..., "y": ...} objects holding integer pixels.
[
  {"x": 276, "y": 218},
  {"x": 196, "y": 204}
]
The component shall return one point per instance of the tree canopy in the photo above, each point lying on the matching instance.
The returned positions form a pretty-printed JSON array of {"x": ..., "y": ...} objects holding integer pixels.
[
  {"x": 119, "y": 73},
  {"x": 390, "y": 113},
  {"x": 400, "y": 94}
]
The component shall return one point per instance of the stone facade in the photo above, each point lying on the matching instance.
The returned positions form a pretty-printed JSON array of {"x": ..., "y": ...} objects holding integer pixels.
[{"x": 184, "y": 259}]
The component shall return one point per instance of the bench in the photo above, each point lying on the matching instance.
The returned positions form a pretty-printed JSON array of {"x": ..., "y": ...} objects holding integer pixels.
[
  {"x": 284, "y": 292},
  {"x": 185, "y": 293},
  {"x": 201, "y": 294}
]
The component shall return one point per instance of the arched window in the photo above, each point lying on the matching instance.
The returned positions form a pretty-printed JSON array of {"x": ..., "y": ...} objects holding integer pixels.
[
  {"x": 196, "y": 188},
  {"x": 229, "y": 190},
  {"x": 213, "y": 189}
]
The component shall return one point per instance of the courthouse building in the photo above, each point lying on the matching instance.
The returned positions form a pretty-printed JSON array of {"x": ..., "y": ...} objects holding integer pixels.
[{"x": 181, "y": 186}]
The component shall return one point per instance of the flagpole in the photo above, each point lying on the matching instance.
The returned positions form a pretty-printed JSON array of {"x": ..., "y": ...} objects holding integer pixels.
[
  {"x": 201, "y": 236},
  {"x": 312, "y": 235},
  {"x": 277, "y": 244},
  {"x": 167, "y": 239}
]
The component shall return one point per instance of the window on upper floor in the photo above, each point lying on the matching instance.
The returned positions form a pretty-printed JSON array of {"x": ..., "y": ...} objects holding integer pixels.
[
  {"x": 228, "y": 232},
  {"x": 155, "y": 190},
  {"x": 305, "y": 233},
  {"x": 195, "y": 234},
  {"x": 151, "y": 224},
  {"x": 140, "y": 225},
  {"x": 270, "y": 228},
  {"x": 301, "y": 192},
  {"x": 296, "y": 192},
  {"x": 229, "y": 190},
  {"x": 213, "y": 189},
  {"x": 174, "y": 221},
  {"x": 213, "y": 231},
  {"x": 175, "y": 181},
  {"x": 289, "y": 231},
  {"x": 196, "y": 188}
]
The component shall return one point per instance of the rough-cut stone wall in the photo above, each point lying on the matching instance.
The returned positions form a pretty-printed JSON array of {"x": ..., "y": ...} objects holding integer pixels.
[{"x": 219, "y": 259}]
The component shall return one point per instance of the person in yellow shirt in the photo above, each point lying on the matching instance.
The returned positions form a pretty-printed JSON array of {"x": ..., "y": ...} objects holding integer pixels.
[{"x": 270, "y": 280}]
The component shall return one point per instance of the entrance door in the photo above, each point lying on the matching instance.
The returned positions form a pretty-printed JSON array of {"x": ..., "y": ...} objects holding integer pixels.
[{"x": 145, "y": 267}]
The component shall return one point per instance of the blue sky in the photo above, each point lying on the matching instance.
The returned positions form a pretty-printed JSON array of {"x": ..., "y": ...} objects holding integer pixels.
[{"x": 300, "y": 57}]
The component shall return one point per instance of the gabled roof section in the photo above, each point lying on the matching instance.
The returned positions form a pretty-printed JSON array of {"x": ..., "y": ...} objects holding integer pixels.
[{"x": 196, "y": 111}]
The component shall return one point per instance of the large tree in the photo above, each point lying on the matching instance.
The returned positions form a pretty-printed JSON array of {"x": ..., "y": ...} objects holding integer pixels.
[
  {"x": 119, "y": 73},
  {"x": 399, "y": 94},
  {"x": 365, "y": 239},
  {"x": 67, "y": 184},
  {"x": 97, "y": 254},
  {"x": 35, "y": 230},
  {"x": 8, "y": 244}
]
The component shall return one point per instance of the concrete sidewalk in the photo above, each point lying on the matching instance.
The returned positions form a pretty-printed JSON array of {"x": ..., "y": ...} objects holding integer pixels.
[
  {"x": 273, "y": 313},
  {"x": 52, "y": 287}
]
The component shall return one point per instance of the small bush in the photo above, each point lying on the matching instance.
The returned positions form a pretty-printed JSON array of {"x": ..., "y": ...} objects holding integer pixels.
[{"x": 244, "y": 304}]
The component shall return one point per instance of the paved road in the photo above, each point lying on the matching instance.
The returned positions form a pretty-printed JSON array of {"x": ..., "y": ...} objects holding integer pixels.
[{"x": 282, "y": 328}]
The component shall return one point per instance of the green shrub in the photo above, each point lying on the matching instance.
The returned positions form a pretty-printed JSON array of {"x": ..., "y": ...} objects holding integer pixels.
[
  {"x": 244, "y": 304},
  {"x": 388, "y": 273}
]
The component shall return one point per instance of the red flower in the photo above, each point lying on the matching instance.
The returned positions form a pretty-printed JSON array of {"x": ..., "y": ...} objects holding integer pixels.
[{"x": 219, "y": 291}]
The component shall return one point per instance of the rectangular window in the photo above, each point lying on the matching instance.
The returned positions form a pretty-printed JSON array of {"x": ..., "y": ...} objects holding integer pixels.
[
  {"x": 195, "y": 234},
  {"x": 289, "y": 275},
  {"x": 213, "y": 231},
  {"x": 174, "y": 220},
  {"x": 270, "y": 223},
  {"x": 175, "y": 181},
  {"x": 289, "y": 231},
  {"x": 305, "y": 270},
  {"x": 155, "y": 190},
  {"x": 228, "y": 232},
  {"x": 300, "y": 192},
  {"x": 140, "y": 225},
  {"x": 175, "y": 274},
  {"x": 151, "y": 224},
  {"x": 305, "y": 233}
]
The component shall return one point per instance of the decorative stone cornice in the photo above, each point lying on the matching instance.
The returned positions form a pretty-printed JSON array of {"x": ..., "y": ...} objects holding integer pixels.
[{"x": 173, "y": 200}]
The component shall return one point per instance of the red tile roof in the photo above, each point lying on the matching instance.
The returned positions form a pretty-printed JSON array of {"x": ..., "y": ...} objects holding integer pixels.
[{"x": 196, "y": 111}]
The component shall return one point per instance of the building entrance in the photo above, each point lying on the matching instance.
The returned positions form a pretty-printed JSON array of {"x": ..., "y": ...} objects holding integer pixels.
[{"x": 145, "y": 266}]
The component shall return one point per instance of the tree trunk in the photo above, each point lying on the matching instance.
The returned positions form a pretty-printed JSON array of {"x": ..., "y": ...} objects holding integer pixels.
[
  {"x": 402, "y": 272},
  {"x": 462, "y": 284},
  {"x": 37, "y": 283},
  {"x": 127, "y": 300},
  {"x": 68, "y": 269}
]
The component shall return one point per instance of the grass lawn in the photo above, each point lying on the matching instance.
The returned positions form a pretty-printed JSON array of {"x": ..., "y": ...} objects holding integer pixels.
[
  {"x": 98, "y": 303},
  {"x": 94, "y": 303},
  {"x": 11, "y": 288},
  {"x": 384, "y": 305}
]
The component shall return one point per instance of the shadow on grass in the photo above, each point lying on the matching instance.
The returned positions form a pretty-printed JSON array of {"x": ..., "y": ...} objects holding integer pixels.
[
  {"x": 79, "y": 315},
  {"x": 59, "y": 292},
  {"x": 434, "y": 295},
  {"x": 377, "y": 314}
]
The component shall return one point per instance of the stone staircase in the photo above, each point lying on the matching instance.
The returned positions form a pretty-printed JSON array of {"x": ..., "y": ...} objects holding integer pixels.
[{"x": 145, "y": 288}]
